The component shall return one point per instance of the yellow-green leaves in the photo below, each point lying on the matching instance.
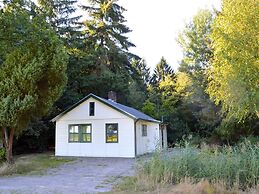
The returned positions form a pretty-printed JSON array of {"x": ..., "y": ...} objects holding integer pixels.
[{"x": 234, "y": 76}]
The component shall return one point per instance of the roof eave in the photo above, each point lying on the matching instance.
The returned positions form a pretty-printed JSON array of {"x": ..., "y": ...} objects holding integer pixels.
[{"x": 152, "y": 121}]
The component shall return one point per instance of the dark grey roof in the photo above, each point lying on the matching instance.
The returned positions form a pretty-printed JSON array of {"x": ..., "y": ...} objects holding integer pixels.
[{"x": 131, "y": 112}]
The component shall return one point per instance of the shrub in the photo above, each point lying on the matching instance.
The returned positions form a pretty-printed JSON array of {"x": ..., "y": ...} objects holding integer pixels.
[
  {"x": 232, "y": 166},
  {"x": 2, "y": 154}
]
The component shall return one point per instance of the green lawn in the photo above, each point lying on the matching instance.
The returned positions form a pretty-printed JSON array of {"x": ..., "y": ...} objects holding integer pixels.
[{"x": 32, "y": 164}]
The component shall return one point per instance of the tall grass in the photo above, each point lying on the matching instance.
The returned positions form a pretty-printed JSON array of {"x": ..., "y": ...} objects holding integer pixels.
[{"x": 232, "y": 166}]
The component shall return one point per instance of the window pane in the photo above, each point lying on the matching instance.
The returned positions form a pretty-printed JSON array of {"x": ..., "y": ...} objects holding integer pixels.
[
  {"x": 112, "y": 133},
  {"x": 91, "y": 108},
  {"x": 86, "y": 137},
  {"x": 144, "y": 130},
  {"x": 73, "y": 129},
  {"x": 86, "y": 128},
  {"x": 74, "y": 137},
  {"x": 112, "y": 138}
]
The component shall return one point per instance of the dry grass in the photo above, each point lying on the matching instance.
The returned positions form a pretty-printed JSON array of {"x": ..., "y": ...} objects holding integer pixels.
[
  {"x": 141, "y": 184},
  {"x": 32, "y": 164}
]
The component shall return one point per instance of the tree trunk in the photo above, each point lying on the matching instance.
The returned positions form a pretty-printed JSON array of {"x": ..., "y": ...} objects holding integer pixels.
[{"x": 8, "y": 144}]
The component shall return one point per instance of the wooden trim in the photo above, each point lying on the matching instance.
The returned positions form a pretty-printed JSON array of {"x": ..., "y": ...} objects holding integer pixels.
[{"x": 135, "y": 137}]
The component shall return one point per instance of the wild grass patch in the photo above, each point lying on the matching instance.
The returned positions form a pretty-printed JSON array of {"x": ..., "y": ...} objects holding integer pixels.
[
  {"x": 208, "y": 170},
  {"x": 32, "y": 164},
  {"x": 234, "y": 166}
]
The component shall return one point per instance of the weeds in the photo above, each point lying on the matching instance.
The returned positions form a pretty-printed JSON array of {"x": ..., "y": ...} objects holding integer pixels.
[
  {"x": 191, "y": 170},
  {"x": 234, "y": 166}
]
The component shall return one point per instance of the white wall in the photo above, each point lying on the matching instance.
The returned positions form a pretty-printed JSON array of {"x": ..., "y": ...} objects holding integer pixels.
[
  {"x": 149, "y": 143},
  {"x": 98, "y": 147}
]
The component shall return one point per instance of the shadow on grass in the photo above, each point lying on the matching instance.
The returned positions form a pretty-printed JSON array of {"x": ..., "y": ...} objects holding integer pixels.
[{"x": 34, "y": 164}]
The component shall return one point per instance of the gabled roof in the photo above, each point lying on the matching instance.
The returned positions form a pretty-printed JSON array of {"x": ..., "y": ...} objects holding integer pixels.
[{"x": 126, "y": 110}]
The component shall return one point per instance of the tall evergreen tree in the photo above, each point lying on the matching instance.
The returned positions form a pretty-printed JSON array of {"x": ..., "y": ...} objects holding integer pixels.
[
  {"x": 63, "y": 17},
  {"x": 105, "y": 32},
  {"x": 104, "y": 62},
  {"x": 142, "y": 71},
  {"x": 162, "y": 70}
]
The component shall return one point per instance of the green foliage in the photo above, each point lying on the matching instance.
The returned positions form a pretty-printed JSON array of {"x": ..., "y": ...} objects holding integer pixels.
[
  {"x": 37, "y": 137},
  {"x": 234, "y": 76},
  {"x": 228, "y": 165},
  {"x": 142, "y": 71},
  {"x": 167, "y": 100},
  {"x": 162, "y": 70},
  {"x": 195, "y": 42},
  {"x": 32, "y": 68},
  {"x": 61, "y": 15},
  {"x": 137, "y": 94},
  {"x": 101, "y": 61},
  {"x": 106, "y": 25},
  {"x": 149, "y": 108},
  {"x": 2, "y": 154},
  {"x": 232, "y": 130}
]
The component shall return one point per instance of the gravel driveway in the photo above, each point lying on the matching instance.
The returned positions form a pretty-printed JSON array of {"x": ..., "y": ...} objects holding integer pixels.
[{"x": 85, "y": 175}]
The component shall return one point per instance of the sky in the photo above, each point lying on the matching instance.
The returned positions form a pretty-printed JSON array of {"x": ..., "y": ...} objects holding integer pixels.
[{"x": 156, "y": 24}]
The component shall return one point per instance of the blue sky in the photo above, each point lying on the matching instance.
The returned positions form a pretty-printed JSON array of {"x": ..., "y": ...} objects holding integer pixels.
[{"x": 156, "y": 25}]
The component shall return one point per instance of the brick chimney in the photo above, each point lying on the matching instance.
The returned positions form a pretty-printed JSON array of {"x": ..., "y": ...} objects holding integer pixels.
[{"x": 112, "y": 96}]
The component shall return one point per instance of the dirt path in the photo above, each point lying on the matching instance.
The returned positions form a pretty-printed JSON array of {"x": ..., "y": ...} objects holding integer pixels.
[{"x": 85, "y": 175}]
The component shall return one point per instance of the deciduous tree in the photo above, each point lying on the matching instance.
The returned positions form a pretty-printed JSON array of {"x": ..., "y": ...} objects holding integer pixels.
[{"x": 234, "y": 76}]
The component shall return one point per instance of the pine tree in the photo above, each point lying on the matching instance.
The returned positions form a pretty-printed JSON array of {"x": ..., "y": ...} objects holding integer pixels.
[
  {"x": 61, "y": 14},
  {"x": 142, "y": 71},
  {"x": 104, "y": 62},
  {"x": 162, "y": 70},
  {"x": 105, "y": 32}
]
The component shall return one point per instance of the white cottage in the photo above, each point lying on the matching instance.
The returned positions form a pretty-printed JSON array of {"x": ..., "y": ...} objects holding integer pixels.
[{"x": 97, "y": 127}]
